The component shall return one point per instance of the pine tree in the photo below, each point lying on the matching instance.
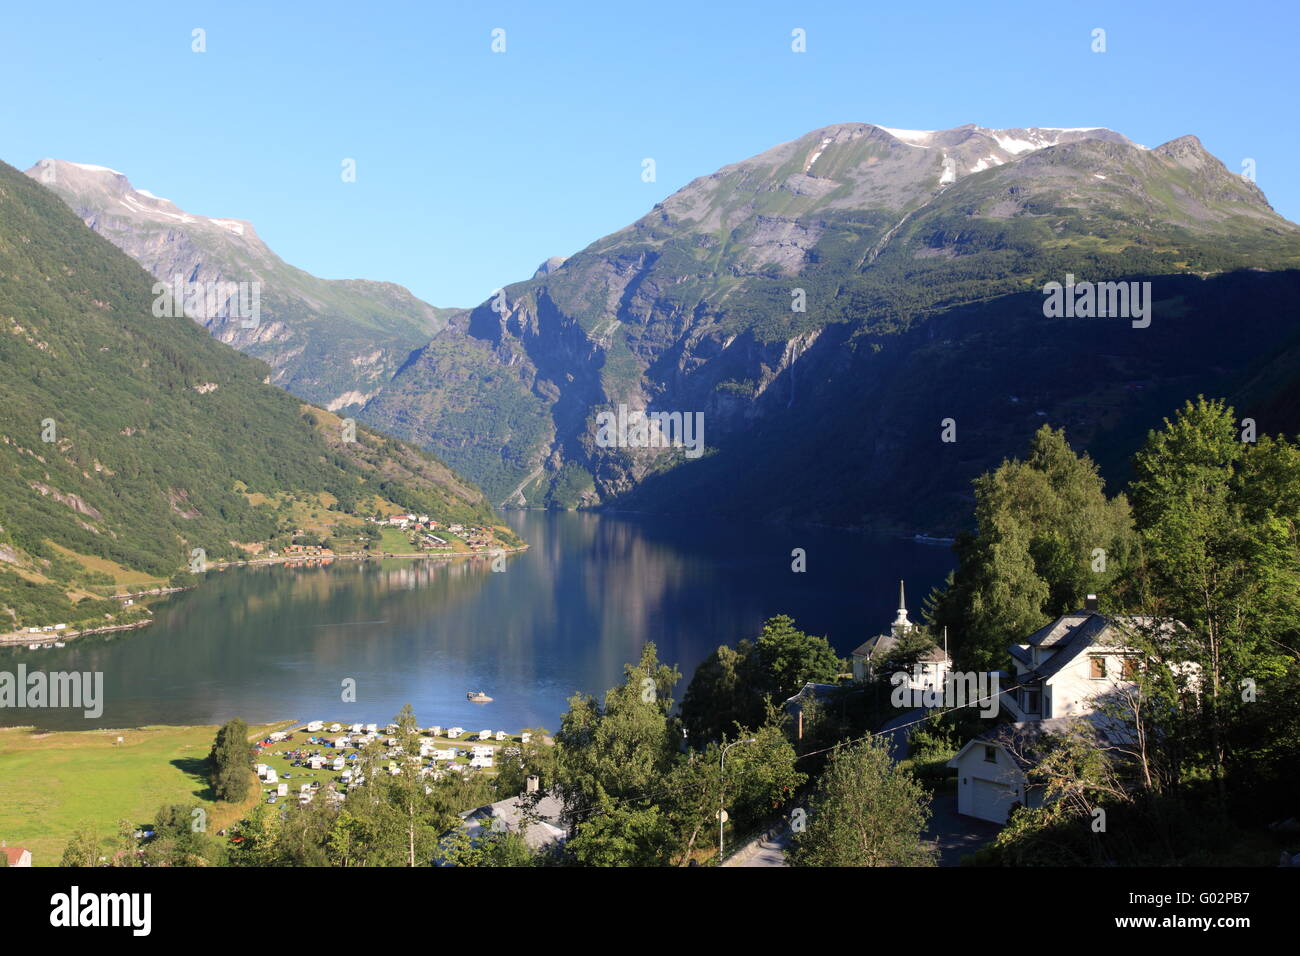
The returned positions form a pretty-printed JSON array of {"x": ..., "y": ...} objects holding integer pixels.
[{"x": 231, "y": 762}]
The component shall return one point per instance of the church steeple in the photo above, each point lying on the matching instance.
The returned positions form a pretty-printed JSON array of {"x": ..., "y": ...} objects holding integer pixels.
[{"x": 901, "y": 624}]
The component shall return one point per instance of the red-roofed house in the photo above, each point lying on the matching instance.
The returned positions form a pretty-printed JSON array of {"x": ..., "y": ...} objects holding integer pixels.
[{"x": 17, "y": 855}]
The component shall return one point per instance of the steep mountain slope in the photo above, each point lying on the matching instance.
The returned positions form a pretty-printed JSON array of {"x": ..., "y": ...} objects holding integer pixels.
[
  {"x": 333, "y": 343},
  {"x": 909, "y": 252},
  {"x": 826, "y": 303},
  {"x": 129, "y": 439}
]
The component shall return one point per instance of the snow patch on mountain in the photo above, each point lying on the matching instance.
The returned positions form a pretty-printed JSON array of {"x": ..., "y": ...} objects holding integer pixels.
[
  {"x": 90, "y": 167},
  {"x": 919, "y": 138},
  {"x": 813, "y": 158}
]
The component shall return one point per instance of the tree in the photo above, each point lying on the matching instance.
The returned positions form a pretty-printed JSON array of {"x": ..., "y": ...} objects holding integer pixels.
[
  {"x": 177, "y": 841},
  {"x": 786, "y": 658},
  {"x": 83, "y": 848},
  {"x": 625, "y": 746},
  {"x": 866, "y": 812},
  {"x": 536, "y": 758},
  {"x": 618, "y": 835},
  {"x": 718, "y": 698},
  {"x": 1219, "y": 524},
  {"x": 493, "y": 848},
  {"x": 1046, "y": 536},
  {"x": 231, "y": 762},
  {"x": 732, "y": 689}
]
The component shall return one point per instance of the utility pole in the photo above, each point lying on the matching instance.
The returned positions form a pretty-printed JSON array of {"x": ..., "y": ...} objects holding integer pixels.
[{"x": 722, "y": 783}]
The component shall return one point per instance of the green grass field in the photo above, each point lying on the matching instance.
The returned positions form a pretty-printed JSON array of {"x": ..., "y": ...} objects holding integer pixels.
[
  {"x": 395, "y": 541},
  {"x": 50, "y": 783}
]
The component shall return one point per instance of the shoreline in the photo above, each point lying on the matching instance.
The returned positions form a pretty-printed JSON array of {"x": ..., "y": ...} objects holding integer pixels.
[
  {"x": 270, "y": 726},
  {"x": 352, "y": 556},
  {"x": 25, "y": 638},
  {"x": 21, "y": 639}
]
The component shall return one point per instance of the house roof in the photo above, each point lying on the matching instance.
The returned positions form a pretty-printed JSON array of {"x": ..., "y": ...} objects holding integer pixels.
[
  {"x": 882, "y": 645},
  {"x": 14, "y": 853},
  {"x": 539, "y": 824},
  {"x": 814, "y": 690},
  {"x": 1071, "y": 634}
]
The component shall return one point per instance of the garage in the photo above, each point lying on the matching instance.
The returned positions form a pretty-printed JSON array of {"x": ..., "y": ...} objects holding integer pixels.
[{"x": 990, "y": 800}]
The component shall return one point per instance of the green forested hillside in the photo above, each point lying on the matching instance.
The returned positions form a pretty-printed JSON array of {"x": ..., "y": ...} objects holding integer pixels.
[{"x": 133, "y": 439}]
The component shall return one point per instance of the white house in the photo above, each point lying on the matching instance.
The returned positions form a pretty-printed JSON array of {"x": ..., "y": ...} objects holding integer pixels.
[
  {"x": 1072, "y": 666},
  {"x": 1071, "y": 673},
  {"x": 991, "y": 769},
  {"x": 875, "y": 653}
]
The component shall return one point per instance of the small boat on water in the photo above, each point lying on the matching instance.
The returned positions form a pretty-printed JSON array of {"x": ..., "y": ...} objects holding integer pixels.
[
  {"x": 931, "y": 539},
  {"x": 478, "y": 697}
]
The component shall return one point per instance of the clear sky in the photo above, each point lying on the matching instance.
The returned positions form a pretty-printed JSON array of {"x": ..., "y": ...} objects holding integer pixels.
[{"x": 473, "y": 166}]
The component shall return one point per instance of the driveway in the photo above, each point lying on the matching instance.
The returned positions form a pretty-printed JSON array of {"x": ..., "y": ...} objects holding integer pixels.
[
  {"x": 896, "y": 731},
  {"x": 953, "y": 834},
  {"x": 767, "y": 850}
]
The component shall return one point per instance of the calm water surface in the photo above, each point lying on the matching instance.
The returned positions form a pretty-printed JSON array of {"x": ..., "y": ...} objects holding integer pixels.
[{"x": 276, "y": 642}]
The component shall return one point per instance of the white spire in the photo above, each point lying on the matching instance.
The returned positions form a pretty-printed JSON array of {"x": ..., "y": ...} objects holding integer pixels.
[{"x": 901, "y": 623}]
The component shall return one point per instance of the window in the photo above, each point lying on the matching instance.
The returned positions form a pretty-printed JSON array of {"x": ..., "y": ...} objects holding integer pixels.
[
  {"x": 990, "y": 754},
  {"x": 1098, "y": 665},
  {"x": 1129, "y": 668},
  {"x": 1031, "y": 699}
]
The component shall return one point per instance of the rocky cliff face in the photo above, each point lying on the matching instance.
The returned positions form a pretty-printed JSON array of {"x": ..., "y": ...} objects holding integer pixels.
[{"x": 832, "y": 299}]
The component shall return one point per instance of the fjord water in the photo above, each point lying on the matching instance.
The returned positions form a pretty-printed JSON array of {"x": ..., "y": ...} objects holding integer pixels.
[{"x": 277, "y": 642}]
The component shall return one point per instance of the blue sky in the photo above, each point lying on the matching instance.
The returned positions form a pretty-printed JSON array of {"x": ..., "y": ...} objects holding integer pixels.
[{"x": 473, "y": 167}]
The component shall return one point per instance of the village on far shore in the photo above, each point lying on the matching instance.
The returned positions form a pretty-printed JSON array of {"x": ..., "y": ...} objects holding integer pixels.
[{"x": 401, "y": 535}]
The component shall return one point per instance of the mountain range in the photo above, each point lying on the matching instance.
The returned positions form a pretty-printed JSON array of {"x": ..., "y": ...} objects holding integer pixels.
[
  {"x": 130, "y": 440},
  {"x": 825, "y": 305}
]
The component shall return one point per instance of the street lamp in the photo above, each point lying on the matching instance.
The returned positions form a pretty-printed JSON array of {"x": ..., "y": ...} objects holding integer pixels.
[{"x": 722, "y": 782}]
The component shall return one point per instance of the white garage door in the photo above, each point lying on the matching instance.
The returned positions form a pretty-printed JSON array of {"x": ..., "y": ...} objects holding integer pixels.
[{"x": 991, "y": 801}]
